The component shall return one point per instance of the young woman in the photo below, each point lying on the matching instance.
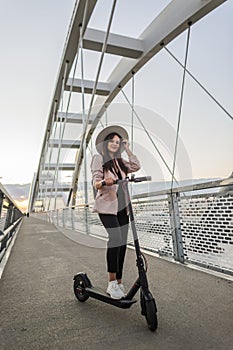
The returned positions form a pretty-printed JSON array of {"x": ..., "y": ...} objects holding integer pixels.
[{"x": 110, "y": 201}]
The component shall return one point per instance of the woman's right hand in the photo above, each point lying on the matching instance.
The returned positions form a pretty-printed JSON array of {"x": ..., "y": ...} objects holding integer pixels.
[{"x": 108, "y": 182}]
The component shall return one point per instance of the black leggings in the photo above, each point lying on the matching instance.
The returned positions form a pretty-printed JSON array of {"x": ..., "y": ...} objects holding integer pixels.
[{"x": 117, "y": 228}]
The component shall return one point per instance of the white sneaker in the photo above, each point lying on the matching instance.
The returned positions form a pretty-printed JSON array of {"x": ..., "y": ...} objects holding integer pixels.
[
  {"x": 122, "y": 288},
  {"x": 114, "y": 290}
]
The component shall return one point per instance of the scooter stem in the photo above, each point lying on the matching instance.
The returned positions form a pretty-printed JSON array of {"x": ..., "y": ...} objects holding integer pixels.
[{"x": 140, "y": 262}]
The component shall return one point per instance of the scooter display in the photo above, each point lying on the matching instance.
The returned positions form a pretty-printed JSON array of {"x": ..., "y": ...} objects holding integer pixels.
[{"x": 83, "y": 288}]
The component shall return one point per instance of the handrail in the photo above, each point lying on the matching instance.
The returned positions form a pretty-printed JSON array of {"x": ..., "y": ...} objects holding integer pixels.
[
  {"x": 187, "y": 188},
  {"x": 10, "y": 217},
  {"x": 6, "y": 237}
]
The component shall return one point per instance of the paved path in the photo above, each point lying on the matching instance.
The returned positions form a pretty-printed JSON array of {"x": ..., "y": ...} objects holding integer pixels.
[{"x": 38, "y": 309}]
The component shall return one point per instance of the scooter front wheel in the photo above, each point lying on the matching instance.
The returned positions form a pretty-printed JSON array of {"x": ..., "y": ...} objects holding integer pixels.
[
  {"x": 79, "y": 288},
  {"x": 151, "y": 314},
  {"x": 149, "y": 310}
]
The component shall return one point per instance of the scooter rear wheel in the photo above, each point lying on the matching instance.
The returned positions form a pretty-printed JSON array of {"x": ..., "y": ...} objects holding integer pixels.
[{"x": 79, "y": 288}]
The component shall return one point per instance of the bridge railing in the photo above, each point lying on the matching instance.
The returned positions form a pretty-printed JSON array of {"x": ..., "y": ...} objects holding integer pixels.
[
  {"x": 191, "y": 224},
  {"x": 10, "y": 217}
]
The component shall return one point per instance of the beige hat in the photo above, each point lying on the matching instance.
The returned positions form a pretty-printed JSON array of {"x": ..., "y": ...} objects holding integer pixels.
[{"x": 105, "y": 132}]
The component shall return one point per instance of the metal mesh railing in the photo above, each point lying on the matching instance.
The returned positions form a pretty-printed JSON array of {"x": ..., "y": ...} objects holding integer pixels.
[
  {"x": 205, "y": 225},
  {"x": 10, "y": 217},
  {"x": 3, "y": 219},
  {"x": 207, "y": 230},
  {"x": 153, "y": 226}
]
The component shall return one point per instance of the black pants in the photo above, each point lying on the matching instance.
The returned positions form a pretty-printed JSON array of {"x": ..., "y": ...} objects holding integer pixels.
[{"x": 117, "y": 228}]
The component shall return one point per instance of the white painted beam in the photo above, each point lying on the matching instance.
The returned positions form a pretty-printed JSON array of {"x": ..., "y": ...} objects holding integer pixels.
[
  {"x": 64, "y": 166},
  {"x": 72, "y": 117},
  {"x": 101, "y": 88},
  {"x": 117, "y": 44},
  {"x": 64, "y": 144},
  {"x": 47, "y": 194},
  {"x": 60, "y": 188}
]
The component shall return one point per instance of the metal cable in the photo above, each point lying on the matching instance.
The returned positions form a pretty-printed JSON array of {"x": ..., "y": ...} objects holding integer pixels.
[
  {"x": 101, "y": 62},
  {"x": 55, "y": 175},
  {"x": 132, "y": 113},
  {"x": 180, "y": 107},
  {"x": 94, "y": 89},
  {"x": 43, "y": 162},
  {"x": 198, "y": 82},
  {"x": 106, "y": 116},
  {"x": 68, "y": 102},
  {"x": 147, "y": 133},
  {"x": 132, "y": 123},
  {"x": 55, "y": 181},
  {"x": 51, "y": 147},
  {"x": 83, "y": 122}
]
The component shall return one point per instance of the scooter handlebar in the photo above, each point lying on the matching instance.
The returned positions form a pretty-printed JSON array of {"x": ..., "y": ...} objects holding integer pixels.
[
  {"x": 133, "y": 179},
  {"x": 140, "y": 179}
]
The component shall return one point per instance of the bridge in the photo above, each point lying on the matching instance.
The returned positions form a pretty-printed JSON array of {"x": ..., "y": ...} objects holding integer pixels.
[{"x": 185, "y": 227}]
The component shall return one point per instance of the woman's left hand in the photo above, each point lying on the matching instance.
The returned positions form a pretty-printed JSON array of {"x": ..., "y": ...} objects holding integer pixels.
[{"x": 126, "y": 144}]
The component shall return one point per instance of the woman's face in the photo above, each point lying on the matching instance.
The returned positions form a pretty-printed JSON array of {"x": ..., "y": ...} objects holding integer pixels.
[{"x": 114, "y": 144}]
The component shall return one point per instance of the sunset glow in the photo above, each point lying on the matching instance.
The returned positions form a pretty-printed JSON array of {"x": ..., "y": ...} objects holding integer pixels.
[{"x": 22, "y": 205}]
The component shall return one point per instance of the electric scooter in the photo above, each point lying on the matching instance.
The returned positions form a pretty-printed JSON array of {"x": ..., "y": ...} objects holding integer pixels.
[{"x": 83, "y": 288}]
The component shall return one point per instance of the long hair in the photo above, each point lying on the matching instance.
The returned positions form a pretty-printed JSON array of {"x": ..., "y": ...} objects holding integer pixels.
[{"x": 107, "y": 160}]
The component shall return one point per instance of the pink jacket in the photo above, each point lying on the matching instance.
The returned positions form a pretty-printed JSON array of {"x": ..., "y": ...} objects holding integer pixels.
[{"x": 106, "y": 199}]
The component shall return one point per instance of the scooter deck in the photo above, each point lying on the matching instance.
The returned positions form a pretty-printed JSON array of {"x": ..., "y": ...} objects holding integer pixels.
[{"x": 99, "y": 294}]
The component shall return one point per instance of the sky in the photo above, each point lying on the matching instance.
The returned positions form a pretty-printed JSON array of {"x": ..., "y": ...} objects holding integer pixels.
[{"x": 32, "y": 37}]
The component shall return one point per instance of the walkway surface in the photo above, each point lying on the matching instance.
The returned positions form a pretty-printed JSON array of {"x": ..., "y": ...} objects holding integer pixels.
[{"x": 39, "y": 310}]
